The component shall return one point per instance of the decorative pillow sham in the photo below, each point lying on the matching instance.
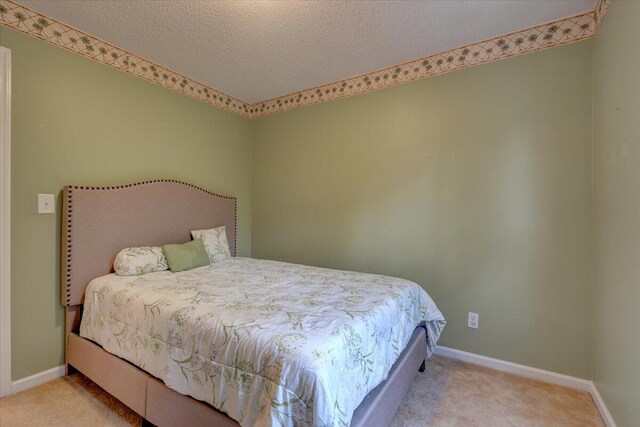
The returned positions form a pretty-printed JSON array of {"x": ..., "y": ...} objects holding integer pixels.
[
  {"x": 186, "y": 256},
  {"x": 143, "y": 260},
  {"x": 215, "y": 242}
]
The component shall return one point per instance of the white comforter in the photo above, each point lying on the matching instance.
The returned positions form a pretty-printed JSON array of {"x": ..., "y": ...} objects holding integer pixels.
[{"x": 269, "y": 343}]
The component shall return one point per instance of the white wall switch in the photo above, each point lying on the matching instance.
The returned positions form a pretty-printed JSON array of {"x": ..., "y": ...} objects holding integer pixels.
[
  {"x": 474, "y": 320},
  {"x": 46, "y": 203}
]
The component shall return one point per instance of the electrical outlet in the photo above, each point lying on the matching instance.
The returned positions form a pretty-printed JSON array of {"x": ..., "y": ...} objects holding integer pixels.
[{"x": 474, "y": 320}]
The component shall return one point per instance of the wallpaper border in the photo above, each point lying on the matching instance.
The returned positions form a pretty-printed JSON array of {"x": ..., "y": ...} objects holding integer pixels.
[
  {"x": 43, "y": 27},
  {"x": 544, "y": 36}
]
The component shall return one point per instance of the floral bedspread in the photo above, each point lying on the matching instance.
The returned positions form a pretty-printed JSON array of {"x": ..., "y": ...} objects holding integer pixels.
[{"x": 269, "y": 343}]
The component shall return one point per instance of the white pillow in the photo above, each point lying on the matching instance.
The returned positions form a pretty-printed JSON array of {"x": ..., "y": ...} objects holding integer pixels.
[
  {"x": 143, "y": 260},
  {"x": 215, "y": 242}
]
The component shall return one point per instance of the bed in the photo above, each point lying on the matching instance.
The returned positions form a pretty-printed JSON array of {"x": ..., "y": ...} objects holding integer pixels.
[{"x": 240, "y": 342}]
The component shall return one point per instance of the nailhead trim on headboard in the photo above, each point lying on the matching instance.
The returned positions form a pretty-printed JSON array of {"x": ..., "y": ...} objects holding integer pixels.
[{"x": 69, "y": 213}]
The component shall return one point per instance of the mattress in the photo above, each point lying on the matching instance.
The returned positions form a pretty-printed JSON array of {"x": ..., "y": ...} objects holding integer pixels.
[{"x": 268, "y": 343}]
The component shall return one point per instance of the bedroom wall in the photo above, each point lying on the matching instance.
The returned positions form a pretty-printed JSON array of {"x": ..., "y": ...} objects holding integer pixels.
[
  {"x": 79, "y": 122},
  {"x": 474, "y": 184},
  {"x": 617, "y": 212}
]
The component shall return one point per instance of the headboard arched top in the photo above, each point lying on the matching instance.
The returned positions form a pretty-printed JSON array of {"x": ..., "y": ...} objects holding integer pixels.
[{"x": 98, "y": 222}]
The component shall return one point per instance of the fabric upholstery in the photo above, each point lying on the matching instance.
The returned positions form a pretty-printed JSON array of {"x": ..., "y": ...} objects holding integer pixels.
[{"x": 98, "y": 222}]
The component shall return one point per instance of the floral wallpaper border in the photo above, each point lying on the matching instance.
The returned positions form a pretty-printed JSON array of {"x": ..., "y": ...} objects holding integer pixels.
[
  {"x": 23, "y": 19},
  {"x": 600, "y": 10},
  {"x": 544, "y": 36}
]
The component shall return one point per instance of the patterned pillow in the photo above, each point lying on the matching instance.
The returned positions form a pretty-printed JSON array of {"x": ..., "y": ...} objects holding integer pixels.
[
  {"x": 215, "y": 242},
  {"x": 134, "y": 261}
]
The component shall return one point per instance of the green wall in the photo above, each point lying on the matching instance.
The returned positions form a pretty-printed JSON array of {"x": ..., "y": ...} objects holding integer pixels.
[
  {"x": 75, "y": 121},
  {"x": 481, "y": 185},
  {"x": 474, "y": 184},
  {"x": 617, "y": 212}
]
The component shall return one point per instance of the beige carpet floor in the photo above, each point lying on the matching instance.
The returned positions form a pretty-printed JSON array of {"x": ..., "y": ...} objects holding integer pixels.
[{"x": 449, "y": 393}]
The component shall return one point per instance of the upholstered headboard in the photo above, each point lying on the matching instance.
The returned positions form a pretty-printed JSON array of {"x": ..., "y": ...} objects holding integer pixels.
[{"x": 98, "y": 222}]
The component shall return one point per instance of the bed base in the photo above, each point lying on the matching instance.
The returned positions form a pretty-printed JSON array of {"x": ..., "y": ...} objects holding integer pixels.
[{"x": 162, "y": 406}]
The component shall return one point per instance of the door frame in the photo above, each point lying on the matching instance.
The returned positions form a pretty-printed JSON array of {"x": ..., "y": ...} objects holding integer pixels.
[{"x": 5, "y": 221}]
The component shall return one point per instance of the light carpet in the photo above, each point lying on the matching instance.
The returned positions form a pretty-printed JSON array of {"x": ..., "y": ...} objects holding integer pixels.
[{"x": 449, "y": 393}]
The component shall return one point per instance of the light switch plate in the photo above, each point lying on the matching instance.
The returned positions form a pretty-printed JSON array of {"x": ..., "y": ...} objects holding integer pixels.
[{"x": 46, "y": 203}]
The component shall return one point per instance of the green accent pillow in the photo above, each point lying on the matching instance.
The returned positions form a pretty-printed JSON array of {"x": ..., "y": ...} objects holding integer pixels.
[{"x": 185, "y": 256}]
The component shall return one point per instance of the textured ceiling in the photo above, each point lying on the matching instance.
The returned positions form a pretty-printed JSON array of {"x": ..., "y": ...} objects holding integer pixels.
[{"x": 259, "y": 50}]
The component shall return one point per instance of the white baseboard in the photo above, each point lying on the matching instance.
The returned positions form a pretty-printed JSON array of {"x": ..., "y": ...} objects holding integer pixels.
[
  {"x": 476, "y": 359},
  {"x": 37, "y": 379},
  {"x": 534, "y": 373},
  {"x": 514, "y": 368},
  {"x": 604, "y": 411}
]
